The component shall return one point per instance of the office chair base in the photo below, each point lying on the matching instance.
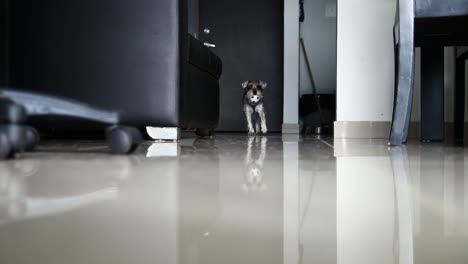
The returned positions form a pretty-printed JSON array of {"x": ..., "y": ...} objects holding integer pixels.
[{"x": 17, "y": 137}]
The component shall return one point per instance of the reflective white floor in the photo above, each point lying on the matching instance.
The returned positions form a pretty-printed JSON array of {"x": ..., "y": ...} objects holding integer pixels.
[{"x": 236, "y": 200}]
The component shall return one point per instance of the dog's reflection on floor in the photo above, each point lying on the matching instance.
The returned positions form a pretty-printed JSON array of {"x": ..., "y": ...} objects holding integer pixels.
[{"x": 254, "y": 161}]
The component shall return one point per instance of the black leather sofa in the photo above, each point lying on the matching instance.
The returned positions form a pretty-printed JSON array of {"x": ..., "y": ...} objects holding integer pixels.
[{"x": 134, "y": 58}]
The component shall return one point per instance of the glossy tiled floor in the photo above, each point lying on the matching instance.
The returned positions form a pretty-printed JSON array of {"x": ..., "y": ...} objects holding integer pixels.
[{"x": 236, "y": 200}]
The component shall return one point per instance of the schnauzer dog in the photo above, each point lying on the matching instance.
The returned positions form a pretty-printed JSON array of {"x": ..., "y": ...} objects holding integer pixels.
[{"x": 253, "y": 103}]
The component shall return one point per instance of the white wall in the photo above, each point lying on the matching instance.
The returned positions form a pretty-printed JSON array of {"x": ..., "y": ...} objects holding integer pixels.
[
  {"x": 319, "y": 34},
  {"x": 291, "y": 62}
]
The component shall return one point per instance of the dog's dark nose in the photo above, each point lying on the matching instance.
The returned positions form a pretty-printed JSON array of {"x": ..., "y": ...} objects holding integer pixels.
[{"x": 255, "y": 92}]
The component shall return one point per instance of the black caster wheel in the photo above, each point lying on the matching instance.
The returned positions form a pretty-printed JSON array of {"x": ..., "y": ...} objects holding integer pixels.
[
  {"x": 16, "y": 135},
  {"x": 123, "y": 140},
  {"x": 204, "y": 132},
  {"x": 6, "y": 151},
  {"x": 32, "y": 138},
  {"x": 12, "y": 132},
  {"x": 11, "y": 113}
]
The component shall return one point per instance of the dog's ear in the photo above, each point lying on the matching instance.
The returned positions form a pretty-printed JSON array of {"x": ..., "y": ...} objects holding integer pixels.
[
  {"x": 244, "y": 84},
  {"x": 263, "y": 84}
]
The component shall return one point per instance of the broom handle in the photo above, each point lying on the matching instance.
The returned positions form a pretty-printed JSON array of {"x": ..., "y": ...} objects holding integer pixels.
[{"x": 314, "y": 88}]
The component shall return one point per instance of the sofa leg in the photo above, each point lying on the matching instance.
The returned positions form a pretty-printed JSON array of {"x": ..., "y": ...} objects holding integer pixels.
[{"x": 164, "y": 133}]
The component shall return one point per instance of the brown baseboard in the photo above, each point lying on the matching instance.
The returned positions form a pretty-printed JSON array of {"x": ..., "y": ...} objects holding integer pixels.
[{"x": 361, "y": 130}]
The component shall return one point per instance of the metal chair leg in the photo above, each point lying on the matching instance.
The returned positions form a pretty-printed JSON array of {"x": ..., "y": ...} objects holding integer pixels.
[{"x": 405, "y": 83}]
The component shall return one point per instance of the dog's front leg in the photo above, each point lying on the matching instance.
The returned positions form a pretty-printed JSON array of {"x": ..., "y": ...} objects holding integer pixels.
[
  {"x": 261, "y": 112},
  {"x": 248, "y": 115},
  {"x": 257, "y": 127}
]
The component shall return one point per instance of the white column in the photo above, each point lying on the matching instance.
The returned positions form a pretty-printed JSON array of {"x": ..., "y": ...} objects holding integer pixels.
[{"x": 291, "y": 67}]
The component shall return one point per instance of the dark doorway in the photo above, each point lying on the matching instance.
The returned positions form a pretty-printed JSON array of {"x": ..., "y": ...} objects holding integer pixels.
[{"x": 249, "y": 39}]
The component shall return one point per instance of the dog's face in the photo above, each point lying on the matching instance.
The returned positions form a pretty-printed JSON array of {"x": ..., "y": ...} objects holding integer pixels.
[{"x": 253, "y": 91}]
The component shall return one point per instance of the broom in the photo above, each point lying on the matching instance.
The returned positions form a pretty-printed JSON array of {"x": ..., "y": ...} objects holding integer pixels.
[{"x": 314, "y": 89}]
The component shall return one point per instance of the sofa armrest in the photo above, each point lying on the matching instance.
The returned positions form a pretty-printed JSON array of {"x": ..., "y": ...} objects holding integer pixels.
[
  {"x": 199, "y": 96},
  {"x": 203, "y": 58}
]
